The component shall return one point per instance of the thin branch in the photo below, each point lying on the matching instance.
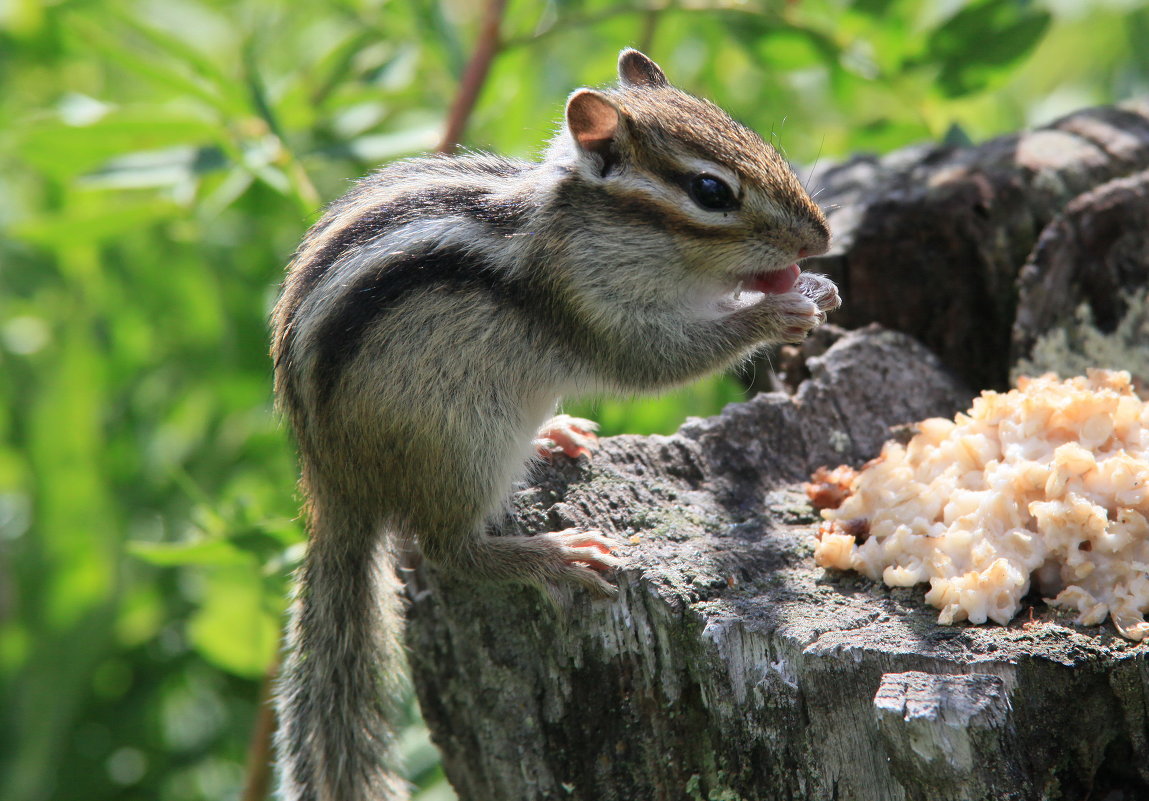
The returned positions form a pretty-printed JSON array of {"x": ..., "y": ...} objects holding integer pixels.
[
  {"x": 649, "y": 25},
  {"x": 474, "y": 75},
  {"x": 257, "y": 783}
]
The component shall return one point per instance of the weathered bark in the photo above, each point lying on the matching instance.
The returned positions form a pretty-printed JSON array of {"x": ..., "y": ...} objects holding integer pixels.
[
  {"x": 1083, "y": 299},
  {"x": 731, "y": 667},
  {"x": 930, "y": 240}
]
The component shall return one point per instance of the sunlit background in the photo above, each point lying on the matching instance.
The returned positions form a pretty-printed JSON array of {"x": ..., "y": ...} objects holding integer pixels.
[{"x": 158, "y": 163}]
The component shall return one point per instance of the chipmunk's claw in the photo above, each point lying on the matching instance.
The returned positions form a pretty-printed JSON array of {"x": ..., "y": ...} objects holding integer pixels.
[
  {"x": 572, "y": 436},
  {"x": 586, "y": 556}
]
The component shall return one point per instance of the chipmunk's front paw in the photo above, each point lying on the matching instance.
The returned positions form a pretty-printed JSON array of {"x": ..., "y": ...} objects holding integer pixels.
[
  {"x": 806, "y": 308},
  {"x": 821, "y": 290},
  {"x": 583, "y": 557},
  {"x": 572, "y": 436}
]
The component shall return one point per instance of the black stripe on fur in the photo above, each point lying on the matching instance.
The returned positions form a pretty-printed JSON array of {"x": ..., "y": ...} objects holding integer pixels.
[
  {"x": 378, "y": 291},
  {"x": 505, "y": 217}
]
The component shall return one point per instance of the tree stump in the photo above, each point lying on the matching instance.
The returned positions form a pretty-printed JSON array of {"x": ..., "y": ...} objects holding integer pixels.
[
  {"x": 732, "y": 668},
  {"x": 1083, "y": 298},
  {"x": 930, "y": 240}
]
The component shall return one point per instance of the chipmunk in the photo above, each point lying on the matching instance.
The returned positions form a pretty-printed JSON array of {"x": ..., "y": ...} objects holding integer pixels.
[{"x": 433, "y": 318}]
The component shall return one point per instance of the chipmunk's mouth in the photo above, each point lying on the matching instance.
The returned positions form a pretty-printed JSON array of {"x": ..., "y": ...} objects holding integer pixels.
[
  {"x": 775, "y": 282},
  {"x": 754, "y": 289},
  {"x": 722, "y": 301}
]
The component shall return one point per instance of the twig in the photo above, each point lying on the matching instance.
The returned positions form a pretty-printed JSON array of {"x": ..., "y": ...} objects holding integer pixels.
[
  {"x": 257, "y": 783},
  {"x": 649, "y": 26},
  {"x": 474, "y": 75}
]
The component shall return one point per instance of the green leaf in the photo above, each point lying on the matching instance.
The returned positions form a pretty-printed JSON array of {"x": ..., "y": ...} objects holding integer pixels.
[
  {"x": 178, "y": 49},
  {"x": 374, "y": 148},
  {"x": 156, "y": 168},
  {"x": 77, "y": 519},
  {"x": 797, "y": 48},
  {"x": 235, "y": 629},
  {"x": 64, "y": 150},
  {"x": 434, "y": 29},
  {"x": 214, "y": 553},
  {"x": 203, "y": 85},
  {"x": 67, "y": 230},
  {"x": 874, "y": 8},
  {"x": 884, "y": 134},
  {"x": 978, "y": 45}
]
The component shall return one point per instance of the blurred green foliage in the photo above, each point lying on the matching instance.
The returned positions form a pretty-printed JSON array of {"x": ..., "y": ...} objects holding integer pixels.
[{"x": 158, "y": 164}]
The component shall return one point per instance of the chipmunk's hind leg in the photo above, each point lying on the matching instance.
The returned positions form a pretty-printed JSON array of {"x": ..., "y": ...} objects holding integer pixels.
[{"x": 460, "y": 545}]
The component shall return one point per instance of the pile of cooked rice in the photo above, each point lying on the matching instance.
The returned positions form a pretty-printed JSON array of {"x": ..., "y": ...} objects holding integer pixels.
[{"x": 1048, "y": 482}]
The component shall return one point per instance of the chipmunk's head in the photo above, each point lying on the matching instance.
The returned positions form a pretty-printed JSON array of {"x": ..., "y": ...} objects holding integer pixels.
[{"x": 737, "y": 213}]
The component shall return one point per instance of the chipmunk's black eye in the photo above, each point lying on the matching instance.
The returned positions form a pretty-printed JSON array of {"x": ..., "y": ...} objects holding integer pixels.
[{"x": 712, "y": 194}]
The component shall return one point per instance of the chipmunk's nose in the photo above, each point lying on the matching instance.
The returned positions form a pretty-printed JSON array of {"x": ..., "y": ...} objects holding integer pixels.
[{"x": 815, "y": 239}]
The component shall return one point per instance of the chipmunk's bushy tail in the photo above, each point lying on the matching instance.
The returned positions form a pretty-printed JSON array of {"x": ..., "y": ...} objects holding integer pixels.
[{"x": 339, "y": 693}]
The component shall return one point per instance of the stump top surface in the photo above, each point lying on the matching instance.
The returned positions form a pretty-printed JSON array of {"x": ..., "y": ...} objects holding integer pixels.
[{"x": 716, "y": 522}]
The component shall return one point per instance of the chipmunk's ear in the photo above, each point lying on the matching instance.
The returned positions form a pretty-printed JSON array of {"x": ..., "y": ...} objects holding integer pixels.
[
  {"x": 596, "y": 124},
  {"x": 635, "y": 69}
]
